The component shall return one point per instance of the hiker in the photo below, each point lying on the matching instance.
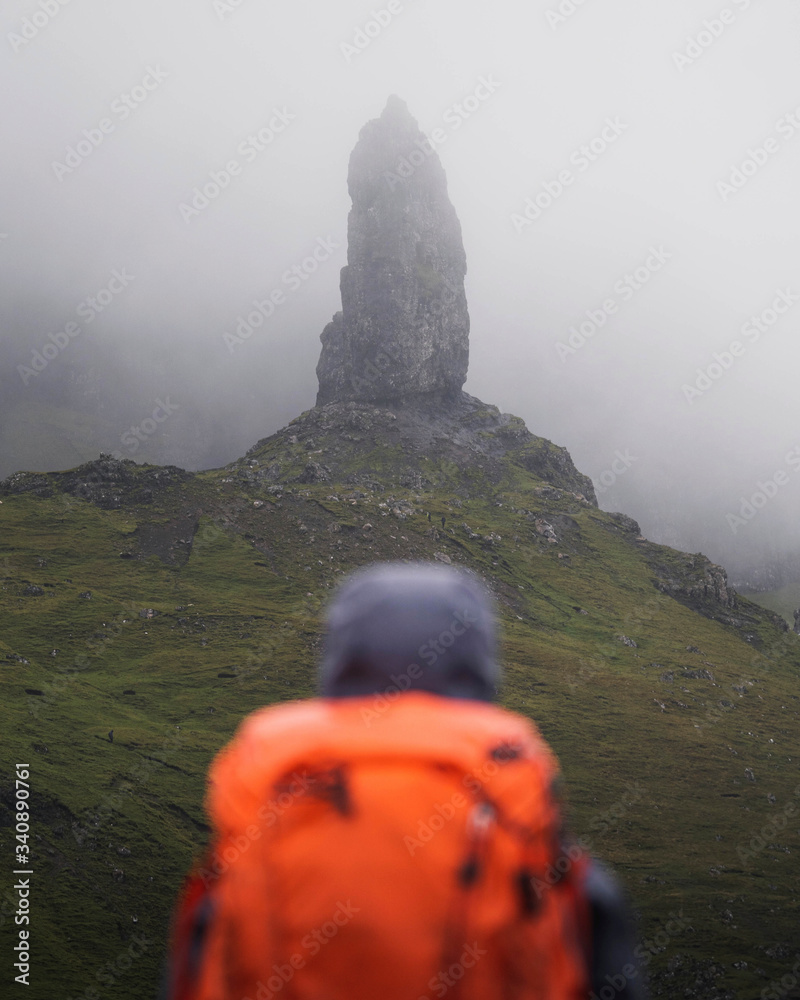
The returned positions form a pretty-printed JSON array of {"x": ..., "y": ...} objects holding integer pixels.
[{"x": 399, "y": 837}]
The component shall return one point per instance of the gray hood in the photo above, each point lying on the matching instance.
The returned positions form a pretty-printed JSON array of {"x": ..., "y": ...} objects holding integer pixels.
[{"x": 418, "y": 626}]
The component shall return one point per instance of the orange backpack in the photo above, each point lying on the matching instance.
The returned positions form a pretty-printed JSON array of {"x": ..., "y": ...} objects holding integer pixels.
[{"x": 373, "y": 850}]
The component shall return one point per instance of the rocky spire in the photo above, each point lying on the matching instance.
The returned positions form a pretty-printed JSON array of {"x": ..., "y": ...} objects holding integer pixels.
[{"x": 404, "y": 326}]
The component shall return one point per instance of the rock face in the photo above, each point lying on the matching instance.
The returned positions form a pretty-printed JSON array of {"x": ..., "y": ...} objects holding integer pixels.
[{"x": 404, "y": 327}]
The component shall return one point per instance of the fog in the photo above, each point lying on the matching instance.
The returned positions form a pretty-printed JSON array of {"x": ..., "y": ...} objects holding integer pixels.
[{"x": 624, "y": 174}]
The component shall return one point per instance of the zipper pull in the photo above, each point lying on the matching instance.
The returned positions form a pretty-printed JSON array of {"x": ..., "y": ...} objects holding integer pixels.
[{"x": 480, "y": 820}]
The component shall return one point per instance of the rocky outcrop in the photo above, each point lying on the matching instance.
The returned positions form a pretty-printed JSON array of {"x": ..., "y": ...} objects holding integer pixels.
[
  {"x": 390, "y": 405},
  {"x": 422, "y": 443},
  {"x": 107, "y": 482},
  {"x": 694, "y": 579},
  {"x": 701, "y": 585},
  {"x": 404, "y": 326}
]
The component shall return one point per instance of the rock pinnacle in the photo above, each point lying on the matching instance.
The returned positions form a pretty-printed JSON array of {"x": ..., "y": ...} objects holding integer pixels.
[{"x": 403, "y": 330}]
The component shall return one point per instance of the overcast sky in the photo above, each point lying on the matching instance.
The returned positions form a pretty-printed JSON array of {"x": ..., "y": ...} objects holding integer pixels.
[{"x": 654, "y": 146}]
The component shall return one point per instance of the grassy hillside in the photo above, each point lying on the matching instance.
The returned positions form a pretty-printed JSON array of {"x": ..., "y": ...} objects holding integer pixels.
[{"x": 165, "y": 606}]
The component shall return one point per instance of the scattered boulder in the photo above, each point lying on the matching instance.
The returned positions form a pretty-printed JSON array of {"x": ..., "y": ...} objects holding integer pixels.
[
  {"x": 546, "y": 530},
  {"x": 314, "y": 472}
]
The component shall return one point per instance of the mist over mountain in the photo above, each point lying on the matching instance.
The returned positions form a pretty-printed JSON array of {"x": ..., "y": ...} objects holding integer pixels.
[
  {"x": 198, "y": 149},
  {"x": 146, "y": 609}
]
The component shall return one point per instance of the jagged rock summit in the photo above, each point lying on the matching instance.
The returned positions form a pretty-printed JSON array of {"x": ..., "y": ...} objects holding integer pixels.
[
  {"x": 395, "y": 358},
  {"x": 403, "y": 330}
]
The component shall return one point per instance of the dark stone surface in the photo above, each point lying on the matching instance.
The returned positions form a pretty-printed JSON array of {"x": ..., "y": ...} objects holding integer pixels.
[{"x": 404, "y": 326}]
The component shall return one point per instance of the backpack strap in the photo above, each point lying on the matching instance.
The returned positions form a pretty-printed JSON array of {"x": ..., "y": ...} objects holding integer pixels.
[
  {"x": 191, "y": 921},
  {"x": 612, "y": 939}
]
